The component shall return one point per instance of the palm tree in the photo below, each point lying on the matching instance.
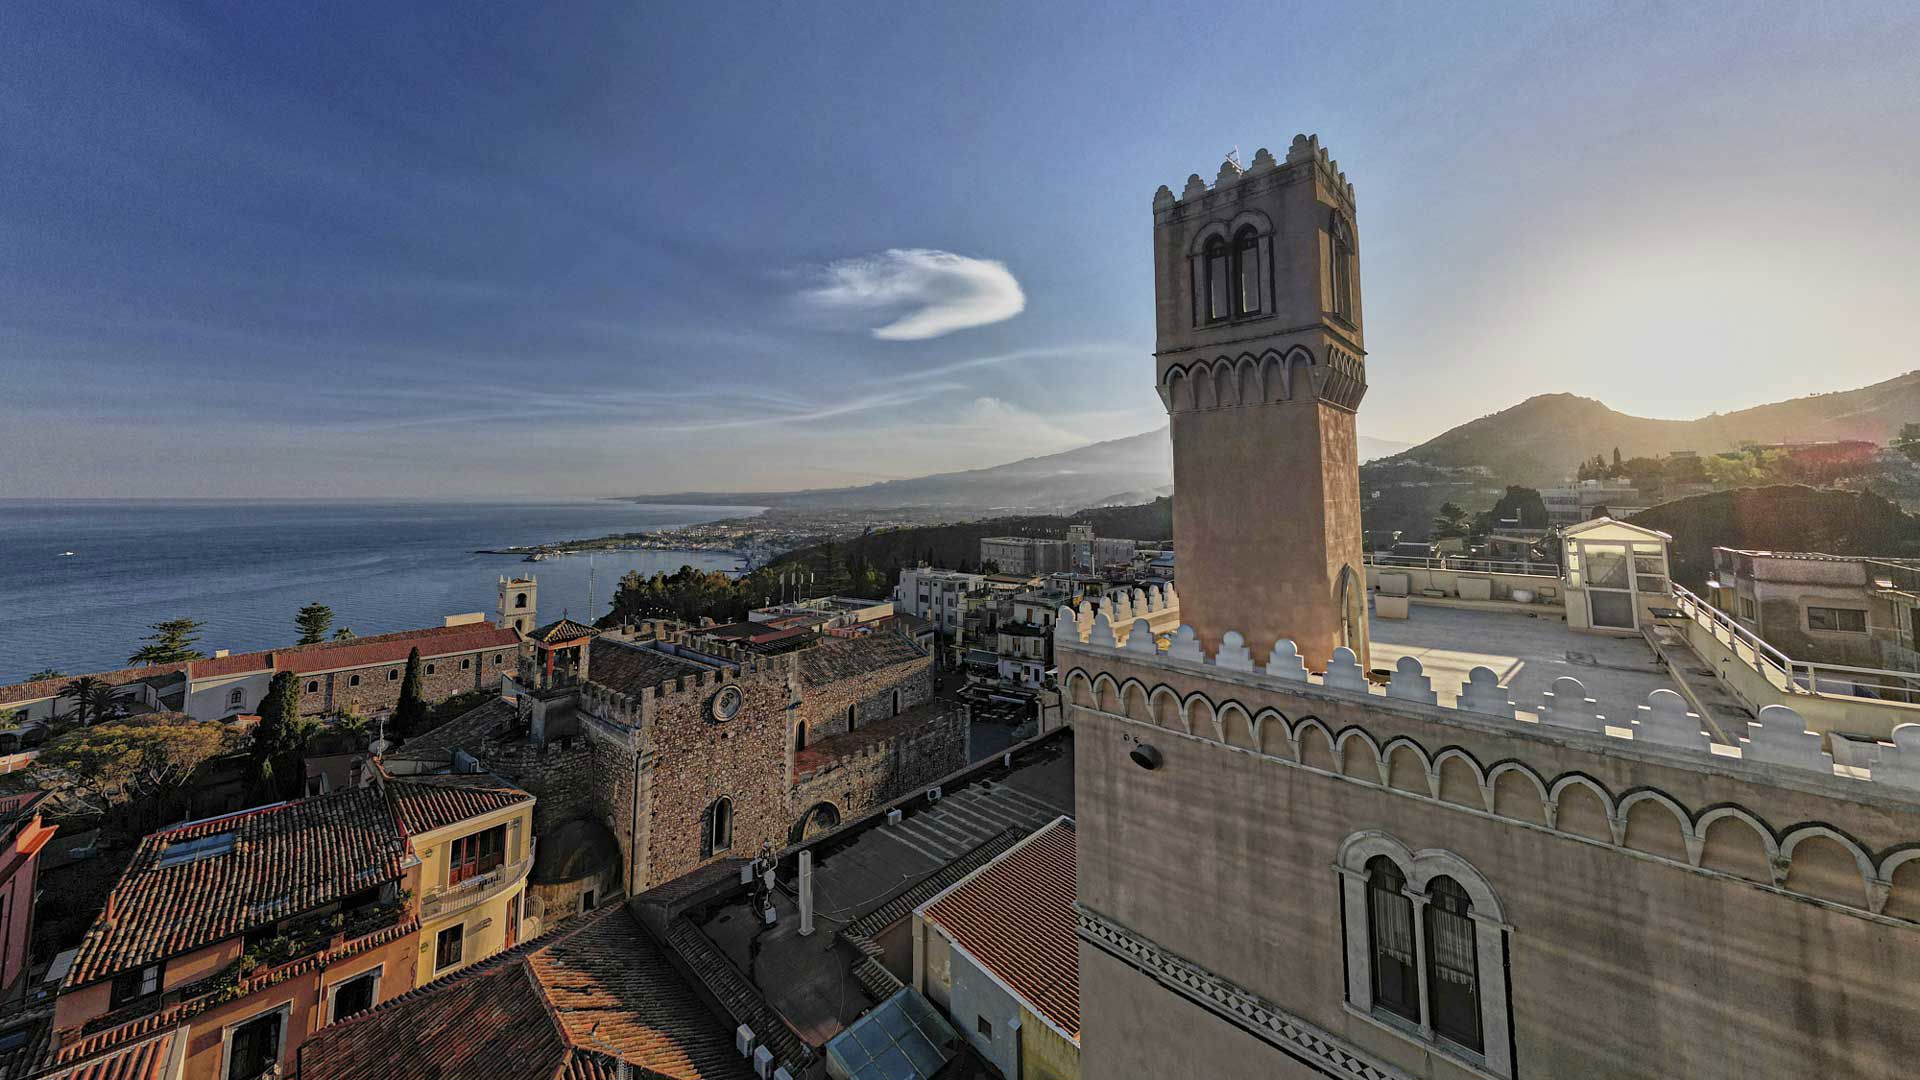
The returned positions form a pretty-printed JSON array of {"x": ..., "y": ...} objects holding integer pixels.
[{"x": 92, "y": 698}]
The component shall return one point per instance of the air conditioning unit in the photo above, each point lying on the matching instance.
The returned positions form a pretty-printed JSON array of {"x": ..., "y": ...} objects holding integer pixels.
[
  {"x": 894, "y": 816},
  {"x": 743, "y": 1040},
  {"x": 933, "y": 795}
]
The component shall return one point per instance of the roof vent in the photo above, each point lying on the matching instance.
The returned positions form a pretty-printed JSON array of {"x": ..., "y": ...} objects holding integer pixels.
[{"x": 743, "y": 1040}]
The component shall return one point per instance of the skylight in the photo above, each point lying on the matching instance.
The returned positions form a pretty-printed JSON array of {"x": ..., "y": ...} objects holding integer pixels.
[
  {"x": 901, "y": 1039},
  {"x": 186, "y": 851}
]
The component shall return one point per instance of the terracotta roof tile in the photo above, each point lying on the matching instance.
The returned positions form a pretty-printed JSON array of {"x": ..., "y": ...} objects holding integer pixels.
[
  {"x": 1016, "y": 918},
  {"x": 532, "y": 1014},
  {"x": 45, "y": 688},
  {"x": 561, "y": 630},
  {"x": 141, "y": 1061},
  {"x": 849, "y": 657},
  {"x": 426, "y": 803},
  {"x": 630, "y": 669},
  {"x": 283, "y": 860}
]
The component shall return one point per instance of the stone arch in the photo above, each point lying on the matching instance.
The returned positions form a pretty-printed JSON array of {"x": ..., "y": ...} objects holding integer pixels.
[
  {"x": 1133, "y": 699},
  {"x": 1259, "y": 222},
  {"x": 1582, "y": 807},
  {"x": 1206, "y": 393},
  {"x": 1273, "y": 383},
  {"x": 1518, "y": 792},
  {"x": 1351, "y": 596},
  {"x": 1299, "y": 363},
  {"x": 1823, "y": 861},
  {"x": 1224, "y": 393},
  {"x": 1457, "y": 778},
  {"x": 1079, "y": 688},
  {"x": 1205, "y": 236},
  {"x": 1313, "y": 745},
  {"x": 1247, "y": 377},
  {"x": 1237, "y": 728},
  {"x": 1406, "y": 766},
  {"x": 1106, "y": 693},
  {"x": 1167, "y": 712},
  {"x": 1735, "y": 842},
  {"x": 1901, "y": 871},
  {"x": 821, "y": 817},
  {"x": 1655, "y": 824},
  {"x": 1421, "y": 867},
  {"x": 1275, "y": 738},
  {"x": 1202, "y": 720},
  {"x": 1179, "y": 390},
  {"x": 1359, "y": 755}
]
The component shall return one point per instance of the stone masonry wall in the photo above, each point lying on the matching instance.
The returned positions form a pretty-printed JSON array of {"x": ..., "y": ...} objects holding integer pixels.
[
  {"x": 893, "y": 763},
  {"x": 823, "y": 709},
  {"x": 379, "y": 688}
]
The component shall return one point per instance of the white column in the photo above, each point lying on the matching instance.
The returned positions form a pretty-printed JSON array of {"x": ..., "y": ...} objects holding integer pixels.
[{"x": 806, "y": 893}]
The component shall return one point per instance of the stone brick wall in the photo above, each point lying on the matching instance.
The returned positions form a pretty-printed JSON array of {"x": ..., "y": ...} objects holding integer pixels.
[
  {"x": 379, "y": 689},
  {"x": 823, "y": 709},
  {"x": 859, "y": 773}
]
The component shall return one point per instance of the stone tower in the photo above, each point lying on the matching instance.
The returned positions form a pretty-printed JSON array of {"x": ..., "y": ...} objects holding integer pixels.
[
  {"x": 519, "y": 599},
  {"x": 1257, "y": 287}
]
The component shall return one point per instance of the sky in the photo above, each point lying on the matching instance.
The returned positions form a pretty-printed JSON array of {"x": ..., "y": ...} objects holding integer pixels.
[{"x": 474, "y": 249}]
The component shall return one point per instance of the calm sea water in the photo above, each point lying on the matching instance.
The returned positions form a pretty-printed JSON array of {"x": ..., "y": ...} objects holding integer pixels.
[{"x": 244, "y": 568}]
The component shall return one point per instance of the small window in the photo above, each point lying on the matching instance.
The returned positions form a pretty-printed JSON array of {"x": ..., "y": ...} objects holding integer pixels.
[
  {"x": 429, "y": 669},
  {"x": 1219, "y": 281},
  {"x": 236, "y": 698},
  {"x": 1246, "y": 272},
  {"x": 313, "y": 686},
  {"x": 520, "y": 600},
  {"x": 136, "y": 983},
  {"x": 353, "y": 680},
  {"x": 466, "y": 663},
  {"x": 1746, "y": 607},
  {"x": 447, "y": 949},
  {"x": 1844, "y": 620},
  {"x": 985, "y": 1025},
  {"x": 355, "y": 996},
  {"x": 1340, "y": 266},
  {"x": 896, "y": 703},
  {"x": 586, "y": 901},
  {"x": 1390, "y": 928},
  {"x": 496, "y": 659},
  {"x": 717, "y": 827},
  {"x": 393, "y": 674}
]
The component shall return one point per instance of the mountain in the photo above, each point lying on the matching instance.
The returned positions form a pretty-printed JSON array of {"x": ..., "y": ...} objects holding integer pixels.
[
  {"x": 1543, "y": 439},
  {"x": 1118, "y": 472}
]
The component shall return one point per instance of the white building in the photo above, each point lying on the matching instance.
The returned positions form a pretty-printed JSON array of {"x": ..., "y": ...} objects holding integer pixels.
[{"x": 935, "y": 595}]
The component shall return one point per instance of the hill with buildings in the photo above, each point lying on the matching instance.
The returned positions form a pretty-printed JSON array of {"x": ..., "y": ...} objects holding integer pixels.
[
  {"x": 1543, "y": 439},
  {"x": 1132, "y": 470}
]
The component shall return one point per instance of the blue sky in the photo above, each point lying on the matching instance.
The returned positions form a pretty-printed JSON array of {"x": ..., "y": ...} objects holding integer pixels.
[{"x": 476, "y": 249}]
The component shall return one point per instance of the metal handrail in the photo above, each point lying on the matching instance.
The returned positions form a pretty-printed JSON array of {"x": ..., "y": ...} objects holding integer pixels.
[
  {"x": 1790, "y": 675},
  {"x": 1463, "y": 563},
  {"x": 475, "y": 889}
]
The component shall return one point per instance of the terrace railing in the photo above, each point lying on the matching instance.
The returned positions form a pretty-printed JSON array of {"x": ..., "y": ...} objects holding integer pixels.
[
  {"x": 1464, "y": 563},
  {"x": 1793, "y": 676}
]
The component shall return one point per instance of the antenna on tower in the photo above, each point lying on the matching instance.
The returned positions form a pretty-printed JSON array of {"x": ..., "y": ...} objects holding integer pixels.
[{"x": 1233, "y": 158}]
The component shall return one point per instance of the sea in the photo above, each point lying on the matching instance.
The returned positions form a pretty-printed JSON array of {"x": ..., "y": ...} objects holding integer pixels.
[{"x": 245, "y": 567}]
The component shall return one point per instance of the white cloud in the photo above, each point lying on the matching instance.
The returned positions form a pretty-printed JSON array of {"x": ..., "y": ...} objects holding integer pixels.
[{"x": 922, "y": 293}]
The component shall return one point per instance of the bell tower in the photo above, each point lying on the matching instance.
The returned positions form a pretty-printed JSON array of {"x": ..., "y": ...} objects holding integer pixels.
[
  {"x": 519, "y": 599},
  {"x": 1259, "y": 362}
]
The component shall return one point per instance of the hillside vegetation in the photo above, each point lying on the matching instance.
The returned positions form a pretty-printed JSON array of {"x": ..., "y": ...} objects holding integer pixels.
[
  {"x": 1543, "y": 440},
  {"x": 1783, "y": 517}
]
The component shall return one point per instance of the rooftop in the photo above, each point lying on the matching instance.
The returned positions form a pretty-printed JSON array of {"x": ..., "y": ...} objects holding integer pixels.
[
  {"x": 1015, "y": 917},
  {"x": 1528, "y": 652},
  {"x": 561, "y": 631},
  {"x": 195, "y": 884},
  {"x": 435, "y": 801},
  {"x": 845, "y": 658},
  {"x": 557, "y": 1006},
  {"x": 820, "y": 752},
  {"x": 630, "y": 668}
]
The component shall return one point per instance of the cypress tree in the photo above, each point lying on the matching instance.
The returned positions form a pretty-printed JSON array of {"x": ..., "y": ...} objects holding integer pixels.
[{"x": 411, "y": 712}]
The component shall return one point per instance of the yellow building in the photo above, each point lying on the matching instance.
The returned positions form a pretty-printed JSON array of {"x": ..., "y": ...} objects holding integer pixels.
[{"x": 473, "y": 836}]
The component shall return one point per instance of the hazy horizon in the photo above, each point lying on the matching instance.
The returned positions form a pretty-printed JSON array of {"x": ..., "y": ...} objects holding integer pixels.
[{"x": 458, "y": 251}]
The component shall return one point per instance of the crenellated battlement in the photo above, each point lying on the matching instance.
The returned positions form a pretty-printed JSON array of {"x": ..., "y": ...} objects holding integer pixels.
[{"x": 1305, "y": 151}]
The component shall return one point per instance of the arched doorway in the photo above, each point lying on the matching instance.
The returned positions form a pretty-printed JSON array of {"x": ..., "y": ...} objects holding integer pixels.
[
  {"x": 1353, "y": 613},
  {"x": 821, "y": 817}
]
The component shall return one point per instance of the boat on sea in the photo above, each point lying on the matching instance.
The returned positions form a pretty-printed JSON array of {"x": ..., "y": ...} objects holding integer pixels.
[
  {"x": 66, "y": 554},
  {"x": 538, "y": 556}
]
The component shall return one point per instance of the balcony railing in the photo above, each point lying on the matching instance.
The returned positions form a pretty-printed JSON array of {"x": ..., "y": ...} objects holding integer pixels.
[
  {"x": 1464, "y": 563},
  {"x": 475, "y": 890},
  {"x": 1792, "y": 676}
]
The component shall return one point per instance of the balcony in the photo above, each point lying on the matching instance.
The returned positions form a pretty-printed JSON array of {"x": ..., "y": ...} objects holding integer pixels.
[{"x": 477, "y": 889}]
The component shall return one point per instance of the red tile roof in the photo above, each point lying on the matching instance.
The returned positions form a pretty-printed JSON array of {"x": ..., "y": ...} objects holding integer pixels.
[
  {"x": 426, "y": 803},
  {"x": 1015, "y": 917},
  {"x": 141, "y": 1061},
  {"x": 552, "y": 1008},
  {"x": 46, "y": 688},
  {"x": 285, "y": 859}
]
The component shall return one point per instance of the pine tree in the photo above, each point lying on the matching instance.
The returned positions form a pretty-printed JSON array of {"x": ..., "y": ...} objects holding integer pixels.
[
  {"x": 411, "y": 712},
  {"x": 172, "y": 642},
  {"x": 313, "y": 622}
]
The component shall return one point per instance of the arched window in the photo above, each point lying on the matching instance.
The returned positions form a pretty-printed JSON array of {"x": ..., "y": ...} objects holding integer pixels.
[
  {"x": 393, "y": 674},
  {"x": 896, "y": 703},
  {"x": 1219, "y": 281},
  {"x": 1453, "y": 964},
  {"x": 717, "y": 828},
  {"x": 1390, "y": 931},
  {"x": 353, "y": 680},
  {"x": 520, "y": 600},
  {"x": 313, "y": 686},
  {"x": 1246, "y": 272},
  {"x": 1340, "y": 267},
  {"x": 853, "y": 716},
  {"x": 236, "y": 698}
]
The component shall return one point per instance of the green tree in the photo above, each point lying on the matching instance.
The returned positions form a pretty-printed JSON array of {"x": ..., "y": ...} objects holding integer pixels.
[
  {"x": 1522, "y": 504},
  {"x": 92, "y": 699},
  {"x": 171, "y": 642},
  {"x": 1450, "y": 521},
  {"x": 46, "y": 673},
  {"x": 1908, "y": 441},
  {"x": 313, "y": 622},
  {"x": 279, "y": 739},
  {"x": 1616, "y": 457},
  {"x": 411, "y": 710},
  {"x": 136, "y": 772},
  {"x": 344, "y": 634}
]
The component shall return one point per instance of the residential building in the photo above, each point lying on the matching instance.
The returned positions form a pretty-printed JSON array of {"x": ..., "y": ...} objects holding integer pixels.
[
  {"x": 1584, "y": 500},
  {"x": 935, "y": 595},
  {"x": 997, "y": 953},
  {"x": 840, "y": 611},
  {"x": 22, "y": 836},
  {"x": 229, "y": 941},
  {"x": 1843, "y": 610},
  {"x": 1530, "y": 850},
  {"x": 1026, "y": 555}
]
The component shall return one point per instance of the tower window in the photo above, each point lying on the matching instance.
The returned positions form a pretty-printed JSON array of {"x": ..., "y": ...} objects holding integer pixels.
[
  {"x": 716, "y": 834},
  {"x": 1219, "y": 281},
  {"x": 520, "y": 600},
  {"x": 1390, "y": 928},
  {"x": 1453, "y": 965},
  {"x": 1340, "y": 267},
  {"x": 1246, "y": 272}
]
